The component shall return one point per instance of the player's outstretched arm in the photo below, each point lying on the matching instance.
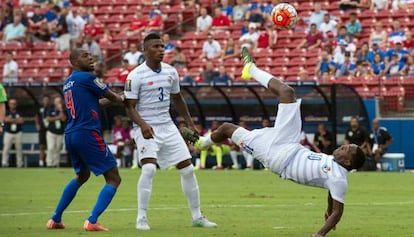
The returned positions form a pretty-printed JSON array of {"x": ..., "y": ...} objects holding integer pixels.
[
  {"x": 146, "y": 130},
  {"x": 332, "y": 216},
  {"x": 110, "y": 97}
]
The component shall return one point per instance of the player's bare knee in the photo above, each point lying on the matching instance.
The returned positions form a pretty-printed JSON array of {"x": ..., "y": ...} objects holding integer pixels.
[
  {"x": 287, "y": 94},
  {"x": 83, "y": 177}
]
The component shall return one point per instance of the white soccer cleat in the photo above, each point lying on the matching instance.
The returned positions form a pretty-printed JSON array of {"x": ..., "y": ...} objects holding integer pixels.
[
  {"x": 203, "y": 222},
  {"x": 142, "y": 224}
]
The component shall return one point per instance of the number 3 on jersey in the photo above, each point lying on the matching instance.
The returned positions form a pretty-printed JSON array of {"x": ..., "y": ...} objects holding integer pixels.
[
  {"x": 161, "y": 90},
  {"x": 69, "y": 103}
]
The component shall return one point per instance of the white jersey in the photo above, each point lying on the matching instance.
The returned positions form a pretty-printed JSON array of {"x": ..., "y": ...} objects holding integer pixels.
[
  {"x": 152, "y": 90},
  {"x": 317, "y": 169}
]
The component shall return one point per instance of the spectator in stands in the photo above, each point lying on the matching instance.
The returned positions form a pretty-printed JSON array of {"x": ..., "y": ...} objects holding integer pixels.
[
  {"x": 93, "y": 48},
  {"x": 323, "y": 140},
  {"x": 394, "y": 67},
  {"x": 362, "y": 54},
  {"x": 339, "y": 55},
  {"x": 178, "y": 60},
  {"x": 346, "y": 5},
  {"x": 93, "y": 28},
  {"x": 222, "y": 77},
  {"x": 133, "y": 56},
  {"x": 327, "y": 25},
  {"x": 209, "y": 72},
  {"x": 156, "y": 11},
  {"x": 399, "y": 50},
  {"x": 365, "y": 4},
  {"x": 409, "y": 66},
  {"x": 358, "y": 135},
  {"x": 56, "y": 118},
  {"x": 155, "y": 23},
  {"x": 41, "y": 125},
  {"x": 138, "y": 22},
  {"x": 330, "y": 44},
  {"x": 351, "y": 46},
  {"x": 75, "y": 26},
  {"x": 220, "y": 21},
  {"x": 317, "y": 15},
  {"x": 380, "y": 140},
  {"x": 378, "y": 65},
  {"x": 374, "y": 50},
  {"x": 379, "y": 5},
  {"x": 10, "y": 69},
  {"x": 226, "y": 9},
  {"x": 59, "y": 30},
  {"x": 402, "y": 4},
  {"x": 106, "y": 36},
  {"x": 239, "y": 11},
  {"x": 230, "y": 49},
  {"x": 168, "y": 44},
  {"x": 363, "y": 69},
  {"x": 354, "y": 27},
  {"x": 255, "y": 15},
  {"x": 204, "y": 21},
  {"x": 17, "y": 11},
  {"x": 378, "y": 36},
  {"x": 313, "y": 39},
  {"x": 125, "y": 70},
  {"x": 12, "y": 134},
  {"x": 211, "y": 48},
  {"x": 14, "y": 31},
  {"x": 267, "y": 37},
  {"x": 325, "y": 65},
  {"x": 408, "y": 43},
  {"x": 347, "y": 68},
  {"x": 249, "y": 40},
  {"x": 37, "y": 21},
  {"x": 397, "y": 34},
  {"x": 342, "y": 33}
]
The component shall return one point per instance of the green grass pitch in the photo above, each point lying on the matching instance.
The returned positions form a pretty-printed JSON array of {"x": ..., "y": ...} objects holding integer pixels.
[{"x": 243, "y": 203}]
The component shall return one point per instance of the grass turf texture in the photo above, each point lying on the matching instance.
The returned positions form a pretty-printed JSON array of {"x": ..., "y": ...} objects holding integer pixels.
[{"x": 243, "y": 203}]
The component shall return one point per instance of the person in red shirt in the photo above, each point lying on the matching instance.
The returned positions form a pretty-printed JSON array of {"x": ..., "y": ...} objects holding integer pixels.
[
  {"x": 408, "y": 43},
  {"x": 93, "y": 28},
  {"x": 156, "y": 23},
  {"x": 313, "y": 39},
  {"x": 124, "y": 71},
  {"x": 267, "y": 37},
  {"x": 138, "y": 21},
  {"x": 220, "y": 21}
]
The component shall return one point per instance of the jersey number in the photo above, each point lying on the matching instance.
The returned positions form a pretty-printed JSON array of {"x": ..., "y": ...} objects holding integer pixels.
[
  {"x": 69, "y": 103},
  {"x": 161, "y": 90}
]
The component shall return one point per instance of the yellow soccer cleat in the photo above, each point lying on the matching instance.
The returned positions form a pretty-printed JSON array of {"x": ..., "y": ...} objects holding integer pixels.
[{"x": 247, "y": 62}]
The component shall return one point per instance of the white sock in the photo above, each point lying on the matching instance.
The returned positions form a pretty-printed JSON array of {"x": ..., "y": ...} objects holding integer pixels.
[
  {"x": 190, "y": 188},
  {"x": 206, "y": 141},
  {"x": 249, "y": 159},
  {"x": 134, "y": 158},
  {"x": 145, "y": 188},
  {"x": 118, "y": 163},
  {"x": 261, "y": 76},
  {"x": 233, "y": 155}
]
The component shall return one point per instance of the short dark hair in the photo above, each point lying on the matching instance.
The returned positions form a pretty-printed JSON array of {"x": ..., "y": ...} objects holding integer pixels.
[
  {"x": 151, "y": 36},
  {"x": 357, "y": 159}
]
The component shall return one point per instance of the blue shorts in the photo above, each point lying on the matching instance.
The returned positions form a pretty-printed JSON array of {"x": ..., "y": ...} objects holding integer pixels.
[{"x": 88, "y": 151}]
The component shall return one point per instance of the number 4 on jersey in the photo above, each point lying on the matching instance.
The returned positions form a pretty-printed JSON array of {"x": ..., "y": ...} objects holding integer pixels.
[{"x": 69, "y": 103}]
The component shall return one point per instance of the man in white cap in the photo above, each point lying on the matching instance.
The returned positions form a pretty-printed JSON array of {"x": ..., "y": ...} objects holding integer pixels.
[{"x": 249, "y": 39}]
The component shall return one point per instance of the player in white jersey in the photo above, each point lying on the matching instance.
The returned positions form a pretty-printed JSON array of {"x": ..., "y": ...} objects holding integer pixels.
[
  {"x": 278, "y": 147},
  {"x": 149, "y": 88}
]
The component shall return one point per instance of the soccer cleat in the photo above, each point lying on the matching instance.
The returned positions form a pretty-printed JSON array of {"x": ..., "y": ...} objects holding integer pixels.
[
  {"x": 94, "y": 227},
  {"x": 142, "y": 224},
  {"x": 52, "y": 225},
  {"x": 203, "y": 222},
  {"x": 247, "y": 62},
  {"x": 189, "y": 135}
]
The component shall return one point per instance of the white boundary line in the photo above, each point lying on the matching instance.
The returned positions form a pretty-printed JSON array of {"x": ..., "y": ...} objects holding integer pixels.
[{"x": 395, "y": 203}]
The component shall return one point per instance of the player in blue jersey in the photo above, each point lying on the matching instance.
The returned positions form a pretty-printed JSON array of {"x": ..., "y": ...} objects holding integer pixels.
[{"x": 83, "y": 139}]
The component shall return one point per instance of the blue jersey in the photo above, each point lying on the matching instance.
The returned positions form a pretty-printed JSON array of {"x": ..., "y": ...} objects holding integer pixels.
[{"x": 82, "y": 91}]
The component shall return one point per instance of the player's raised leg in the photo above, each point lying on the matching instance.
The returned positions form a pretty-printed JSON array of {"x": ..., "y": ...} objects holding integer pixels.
[
  {"x": 69, "y": 193},
  {"x": 284, "y": 92},
  {"x": 190, "y": 188}
]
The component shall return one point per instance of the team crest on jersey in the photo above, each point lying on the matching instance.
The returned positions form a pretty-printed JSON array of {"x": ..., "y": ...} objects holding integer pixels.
[
  {"x": 150, "y": 83},
  {"x": 127, "y": 85},
  {"x": 326, "y": 168},
  {"x": 99, "y": 83}
]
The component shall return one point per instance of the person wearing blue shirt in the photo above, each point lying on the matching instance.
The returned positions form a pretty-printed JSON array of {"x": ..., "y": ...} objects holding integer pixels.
[
  {"x": 378, "y": 65},
  {"x": 83, "y": 139},
  {"x": 223, "y": 76},
  {"x": 399, "y": 50},
  {"x": 226, "y": 9},
  {"x": 394, "y": 67},
  {"x": 375, "y": 50},
  {"x": 325, "y": 65},
  {"x": 347, "y": 67}
]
